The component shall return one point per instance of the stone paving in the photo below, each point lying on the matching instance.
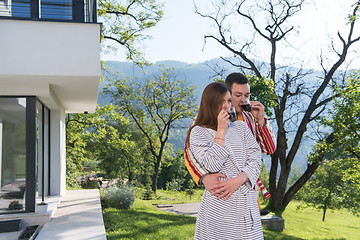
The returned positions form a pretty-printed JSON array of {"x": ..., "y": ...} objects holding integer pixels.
[
  {"x": 77, "y": 217},
  {"x": 182, "y": 209}
]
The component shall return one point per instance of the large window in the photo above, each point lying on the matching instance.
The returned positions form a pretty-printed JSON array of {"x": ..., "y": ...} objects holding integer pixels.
[
  {"x": 19, "y": 8},
  {"x": 42, "y": 153},
  {"x": 56, "y": 9},
  {"x": 24, "y": 153},
  {"x": 12, "y": 153},
  {"x": 62, "y": 10},
  {"x": 48, "y": 9}
]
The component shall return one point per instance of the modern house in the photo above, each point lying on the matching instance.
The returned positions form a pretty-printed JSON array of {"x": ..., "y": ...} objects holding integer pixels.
[{"x": 49, "y": 66}]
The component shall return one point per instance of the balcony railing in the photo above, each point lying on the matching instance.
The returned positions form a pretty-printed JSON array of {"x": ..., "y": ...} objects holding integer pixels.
[{"x": 58, "y": 10}]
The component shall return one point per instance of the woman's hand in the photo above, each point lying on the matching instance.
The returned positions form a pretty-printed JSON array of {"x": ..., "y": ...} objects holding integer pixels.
[{"x": 223, "y": 121}]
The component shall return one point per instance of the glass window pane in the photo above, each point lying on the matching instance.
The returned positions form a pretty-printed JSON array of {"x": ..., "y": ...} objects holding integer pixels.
[
  {"x": 56, "y": 9},
  {"x": 39, "y": 147},
  {"x": 20, "y": 8},
  {"x": 42, "y": 153},
  {"x": 46, "y": 152},
  {"x": 12, "y": 153}
]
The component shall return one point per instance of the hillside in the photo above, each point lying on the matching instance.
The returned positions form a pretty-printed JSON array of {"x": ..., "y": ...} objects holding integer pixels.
[
  {"x": 193, "y": 74},
  {"x": 200, "y": 75}
]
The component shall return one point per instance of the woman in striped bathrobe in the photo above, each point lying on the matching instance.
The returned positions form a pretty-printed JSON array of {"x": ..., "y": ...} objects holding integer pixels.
[{"x": 229, "y": 148}]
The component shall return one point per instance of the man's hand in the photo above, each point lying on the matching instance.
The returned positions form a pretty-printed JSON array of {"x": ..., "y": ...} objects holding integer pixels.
[
  {"x": 212, "y": 180},
  {"x": 226, "y": 188},
  {"x": 257, "y": 110}
]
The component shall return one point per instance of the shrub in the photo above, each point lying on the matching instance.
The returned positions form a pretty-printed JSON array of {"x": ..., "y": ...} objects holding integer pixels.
[
  {"x": 121, "y": 197},
  {"x": 88, "y": 183},
  {"x": 148, "y": 194},
  {"x": 15, "y": 205},
  {"x": 174, "y": 185}
]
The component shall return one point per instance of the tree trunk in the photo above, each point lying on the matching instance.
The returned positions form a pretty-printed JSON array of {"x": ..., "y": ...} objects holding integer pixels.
[
  {"x": 311, "y": 168},
  {"x": 154, "y": 182},
  {"x": 279, "y": 156},
  {"x": 130, "y": 174},
  {"x": 276, "y": 200},
  {"x": 272, "y": 179},
  {"x": 156, "y": 174},
  {"x": 280, "y": 199},
  {"x": 324, "y": 212}
]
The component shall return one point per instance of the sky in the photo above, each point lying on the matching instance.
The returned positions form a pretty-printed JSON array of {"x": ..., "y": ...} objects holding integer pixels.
[{"x": 180, "y": 35}]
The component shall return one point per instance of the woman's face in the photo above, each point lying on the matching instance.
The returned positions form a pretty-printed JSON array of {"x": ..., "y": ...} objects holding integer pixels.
[{"x": 226, "y": 102}]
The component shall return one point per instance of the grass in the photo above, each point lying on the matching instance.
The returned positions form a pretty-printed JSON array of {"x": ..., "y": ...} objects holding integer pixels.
[
  {"x": 306, "y": 223},
  {"x": 145, "y": 221},
  {"x": 172, "y": 197}
]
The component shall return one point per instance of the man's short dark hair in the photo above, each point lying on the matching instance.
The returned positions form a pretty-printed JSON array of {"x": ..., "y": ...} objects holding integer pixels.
[{"x": 236, "y": 78}]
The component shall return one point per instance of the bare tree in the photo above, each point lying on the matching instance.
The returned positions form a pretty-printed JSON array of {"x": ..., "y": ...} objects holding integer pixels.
[{"x": 299, "y": 102}]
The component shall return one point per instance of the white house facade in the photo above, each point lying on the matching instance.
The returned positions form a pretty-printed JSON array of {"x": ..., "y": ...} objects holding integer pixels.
[{"x": 49, "y": 66}]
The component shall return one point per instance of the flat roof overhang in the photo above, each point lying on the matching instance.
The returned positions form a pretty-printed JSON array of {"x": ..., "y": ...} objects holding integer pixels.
[
  {"x": 72, "y": 93},
  {"x": 59, "y": 62}
]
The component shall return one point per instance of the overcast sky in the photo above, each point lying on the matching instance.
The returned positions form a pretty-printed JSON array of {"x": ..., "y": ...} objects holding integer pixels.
[{"x": 179, "y": 36}]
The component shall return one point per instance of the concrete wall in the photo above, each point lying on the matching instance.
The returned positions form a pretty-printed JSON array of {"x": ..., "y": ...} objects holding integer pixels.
[
  {"x": 63, "y": 56},
  {"x": 49, "y": 48},
  {"x": 57, "y": 151}
]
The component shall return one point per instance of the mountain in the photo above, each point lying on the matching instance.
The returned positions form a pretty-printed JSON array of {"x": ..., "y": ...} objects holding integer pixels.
[
  {"x": 201, "y": 74},
  {"x": 194, "y": 74}
]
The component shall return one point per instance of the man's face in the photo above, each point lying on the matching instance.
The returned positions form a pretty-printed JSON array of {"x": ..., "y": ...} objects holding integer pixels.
[{"x": 240, "y": 95}]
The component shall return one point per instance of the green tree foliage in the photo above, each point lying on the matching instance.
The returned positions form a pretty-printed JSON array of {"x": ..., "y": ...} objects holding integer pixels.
[
  {"x": 334, "y": 185},
  {"x": 262, "y": 90},
  {"x": 154, "y": 108},
  {"x": 344, "y": 117},
  {"x": 126, "y": 21},
  {"x": 76, "y": 154},
  {"x": 115, "y": 144},
  {"x": 106, "y": 141},
  {"x": 174, "y": 170},
  {"x": 343, "y": 121}
]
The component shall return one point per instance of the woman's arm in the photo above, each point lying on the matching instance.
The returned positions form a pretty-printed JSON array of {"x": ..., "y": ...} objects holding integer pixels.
[
  {"x": 206, "y": 150},
  {"x": 249, "y": 173}
]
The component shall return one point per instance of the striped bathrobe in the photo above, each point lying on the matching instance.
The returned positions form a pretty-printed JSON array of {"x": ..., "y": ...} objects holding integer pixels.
[
  {"x": 237, "y": 217},
  {"x": 264, "y": 135}
]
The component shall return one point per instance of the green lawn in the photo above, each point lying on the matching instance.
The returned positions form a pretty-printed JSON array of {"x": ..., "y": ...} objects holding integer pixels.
[
  {"x": 173, "y": 197},
  {"x": 145, "y": 221},
  {"x": 306, "y": 223}
]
